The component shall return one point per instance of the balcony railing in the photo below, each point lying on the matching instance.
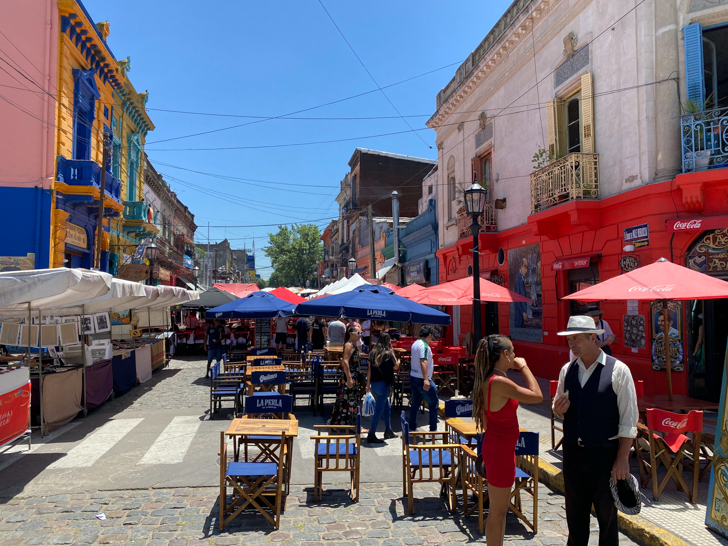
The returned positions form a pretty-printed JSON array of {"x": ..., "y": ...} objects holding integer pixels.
[
  {"x": 487, "y": 220},
  {"x": 704, "y": 140},
  {"x": 77, "y": 172},
  {"x": 139, "y": 210},
  {"x": 575, "y": 176}
]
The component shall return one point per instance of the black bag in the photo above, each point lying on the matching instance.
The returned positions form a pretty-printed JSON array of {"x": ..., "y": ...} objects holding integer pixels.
[{"x": 480, "y": 465}]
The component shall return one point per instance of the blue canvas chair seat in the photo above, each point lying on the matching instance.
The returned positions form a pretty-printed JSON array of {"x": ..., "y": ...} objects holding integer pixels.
[
  {"x": 427, "y": 457},
  {"x": 338, "y": 450},
  {"x": 521, "y": 474},
  {"x": 224, "y": 387},
  {"x": 252, "y": 484}
]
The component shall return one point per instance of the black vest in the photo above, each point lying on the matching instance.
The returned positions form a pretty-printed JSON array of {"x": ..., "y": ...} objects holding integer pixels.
[{"x": 593, "y": 414}]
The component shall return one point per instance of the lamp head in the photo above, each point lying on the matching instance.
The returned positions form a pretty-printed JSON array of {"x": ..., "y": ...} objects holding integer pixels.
[
  {"x": 151, "y": 252},
  {"x": 475, "y": 199}
]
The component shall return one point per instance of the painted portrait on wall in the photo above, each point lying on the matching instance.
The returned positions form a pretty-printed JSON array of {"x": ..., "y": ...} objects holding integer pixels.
[
  {"x": 524, "y": 276},
  {"x": 674, "y": 332}
]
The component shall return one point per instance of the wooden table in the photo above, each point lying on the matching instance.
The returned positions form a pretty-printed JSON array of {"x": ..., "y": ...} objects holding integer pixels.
[
  {"x": 265, "y": 388},
  {"x": 466, "y": 429},
  {"x": 251, "y": 358},
  {"x": 677, "y": 404}
]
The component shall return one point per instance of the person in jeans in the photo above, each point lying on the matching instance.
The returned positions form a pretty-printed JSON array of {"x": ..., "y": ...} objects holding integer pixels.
[
  {"x": 382, "y": 364},
  {"x": 213, "y": 343},
  {"x": 421, "y": 379}
]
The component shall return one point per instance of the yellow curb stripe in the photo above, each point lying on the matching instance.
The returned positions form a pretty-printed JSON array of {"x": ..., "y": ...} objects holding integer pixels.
[{"x": 635, "y": 527}]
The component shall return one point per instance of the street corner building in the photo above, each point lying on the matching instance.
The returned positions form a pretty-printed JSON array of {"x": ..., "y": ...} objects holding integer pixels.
[
  {"x": 74, "y": 94},
  {"x": 597, "y": 130}
]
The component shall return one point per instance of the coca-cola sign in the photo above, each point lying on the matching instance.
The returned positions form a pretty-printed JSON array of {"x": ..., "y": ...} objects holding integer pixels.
[
  {"x": 680, "y": 225},
  {"x": 669, "y": 423},
  {"x": 658, "y": 288}
]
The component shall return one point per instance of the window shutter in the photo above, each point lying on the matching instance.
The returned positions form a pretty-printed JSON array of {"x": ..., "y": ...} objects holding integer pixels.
[
  {"x": 695, "y": 83},
  {"x": 551, "y": 121},
  {"x": 474, "y": 171},
  {"x": 587, "y": 114}
]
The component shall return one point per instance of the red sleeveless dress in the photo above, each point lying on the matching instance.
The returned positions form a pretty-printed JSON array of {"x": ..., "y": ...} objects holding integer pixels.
[{"x": 499, "y": 443}]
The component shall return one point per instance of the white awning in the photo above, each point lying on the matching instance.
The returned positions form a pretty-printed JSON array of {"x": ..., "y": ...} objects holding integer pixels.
[{"x": 386, "y": 266}]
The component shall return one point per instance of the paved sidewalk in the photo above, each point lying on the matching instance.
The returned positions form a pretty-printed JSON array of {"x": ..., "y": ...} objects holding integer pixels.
[{"x": 181, "y": 517}]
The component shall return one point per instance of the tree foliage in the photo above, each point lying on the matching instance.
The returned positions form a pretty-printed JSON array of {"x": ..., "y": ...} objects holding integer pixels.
[
  {"x": 260, "y": 282},
  {"x": 294, "y": 254}
]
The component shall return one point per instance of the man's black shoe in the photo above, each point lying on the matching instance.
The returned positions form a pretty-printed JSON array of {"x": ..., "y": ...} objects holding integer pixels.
[
  {"x": 372, "y": 439},
  {"x": 389, "y": 434}
]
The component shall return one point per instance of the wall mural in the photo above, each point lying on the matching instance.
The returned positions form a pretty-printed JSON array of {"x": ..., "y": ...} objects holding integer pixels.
[
  {"x": 17, "y": 263},
  {"x": 524, "y": 274},
  {"x": 674, "y": 319},
  {"x": 710, "y": 254}
]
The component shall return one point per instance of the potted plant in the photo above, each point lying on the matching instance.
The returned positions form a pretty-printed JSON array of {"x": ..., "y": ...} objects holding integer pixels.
[{"x": 700, "y": 135}]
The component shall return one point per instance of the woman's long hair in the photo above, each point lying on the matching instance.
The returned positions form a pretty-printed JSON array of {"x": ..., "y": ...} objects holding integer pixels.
[
  {"x": 489, "y": 351},
  {"x": 381, "y": 350},
  {"x": 349, "y": 329}
]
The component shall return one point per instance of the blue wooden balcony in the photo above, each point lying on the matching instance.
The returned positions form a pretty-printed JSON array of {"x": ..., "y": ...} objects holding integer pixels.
[
  {"x": 139, "y": 219},
  {"x": 76, "y": 172}
]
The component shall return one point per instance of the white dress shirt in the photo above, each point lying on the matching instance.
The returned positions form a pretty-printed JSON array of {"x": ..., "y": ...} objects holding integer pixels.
[{"x": 623, "y": 386}]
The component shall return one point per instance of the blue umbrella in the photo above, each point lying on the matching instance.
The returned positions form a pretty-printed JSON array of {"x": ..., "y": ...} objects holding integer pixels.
[
  {"x": 253, "y": 306},
  {"x": 375, "y": 303}
]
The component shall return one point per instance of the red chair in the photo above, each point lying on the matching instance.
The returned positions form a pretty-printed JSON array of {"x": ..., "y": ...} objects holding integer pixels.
[
  {"x": 639, "y": 387},
  {"x": 553, "y": 385},
  {"x": 446, "y": 371},
  {"x": 670, "y": 447}
]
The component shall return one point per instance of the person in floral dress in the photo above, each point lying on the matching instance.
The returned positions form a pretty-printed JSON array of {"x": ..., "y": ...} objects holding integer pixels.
[{"x": 352, "y": 381}]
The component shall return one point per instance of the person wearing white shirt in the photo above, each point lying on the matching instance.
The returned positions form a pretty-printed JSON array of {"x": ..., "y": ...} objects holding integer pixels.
[
  {"x": 421, "y": 379},
  {"x": 191, "y": 321},
  {"x": 281, "y": 332},
  {"x": 607, "y": 338},
  {"x": 596, "y": 398}
]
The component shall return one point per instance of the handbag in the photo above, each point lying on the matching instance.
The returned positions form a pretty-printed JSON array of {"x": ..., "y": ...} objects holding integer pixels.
[{"x": 367, "y": 405}]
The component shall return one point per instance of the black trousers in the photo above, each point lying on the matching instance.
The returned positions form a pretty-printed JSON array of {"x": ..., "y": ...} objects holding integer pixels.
[{"x": 586, "y": 481}]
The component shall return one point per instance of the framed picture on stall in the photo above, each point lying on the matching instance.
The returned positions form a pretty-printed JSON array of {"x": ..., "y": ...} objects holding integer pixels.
[
  {"x": 68, "y": 333},
  {"x": 9, "y": 333},
  {"x": 87, "y": 324},
  {"x": 102, "y": 322}
]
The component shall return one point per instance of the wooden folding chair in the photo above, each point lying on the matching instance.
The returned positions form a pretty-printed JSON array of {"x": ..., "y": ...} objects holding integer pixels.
[
  {"x": 267, "y": 381},
  {"x": 224, "y": 388},
  {"x": 327, "y": 380},
  {"x": 260, "y": 351},
  {"x": 459, "y": 408},
  {"x": 267, "y": 361},
  {"x": 555, "y": 425},
  {"x": 252, "y": 483},
  {"x": 474, "y": 485},
  {"x": 670, "y": 447},
  {"x": 337, "y": 452},
  {"x": 445, "y": 371},
  {"x": 302, "y": 379},
  {"x": 426, "y": 461},
  {"x": 401, "y": 387}
]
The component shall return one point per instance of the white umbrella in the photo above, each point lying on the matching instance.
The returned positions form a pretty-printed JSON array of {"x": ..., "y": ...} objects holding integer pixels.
[
  {"x": 352, "y": 283},
  {"x": 122, "y": 296}
]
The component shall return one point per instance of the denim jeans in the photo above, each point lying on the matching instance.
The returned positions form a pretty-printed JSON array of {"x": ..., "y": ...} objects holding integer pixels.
[
  {"x": 380, "y": 390},
  {"x": 215, "y": 354},
  {"x": 418, "y": 393}
]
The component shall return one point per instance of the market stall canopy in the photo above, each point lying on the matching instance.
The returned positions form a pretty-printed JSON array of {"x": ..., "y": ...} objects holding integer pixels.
[
  {"x": 460, "y": 292},
  {"x": 386, "y": 266},
  {"x": 40, "y": 289},
  {"x": 371, "y": 302},
  {"x": 328, "y": 288},
  {"x": 287, "y": 295},
  {"x": 171, "y": 296},
  {"x": 411, "y": 291},
  {"x": 393, "y": 288},
  {"x": 238, "y": 289},
  {"x": 214, "y": 297},
  {"x": 122, "y": 296},
  {"x": 657, "y": 281},
  {"x": 355, "y": 281},
  {"x": 253, "y": 306}
]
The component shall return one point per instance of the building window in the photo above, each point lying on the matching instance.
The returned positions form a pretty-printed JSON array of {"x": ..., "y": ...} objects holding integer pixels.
[
  {"x": 135, "y": 150},
  {"x": 451, "y": 189},
  {"x": 705, "y": 65},
  {"x": 85, "y": 95},
  {"x": 570, "y": 121}
]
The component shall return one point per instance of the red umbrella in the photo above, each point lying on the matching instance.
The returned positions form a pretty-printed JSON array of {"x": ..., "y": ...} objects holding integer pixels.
[
  {"x": 285, "y": 294},
  {"x": 393, "y": 288},
  {"x": 662, "y": 280},
  {"x": 460, "y": 292},
  {"x": 411, "y": 291}
]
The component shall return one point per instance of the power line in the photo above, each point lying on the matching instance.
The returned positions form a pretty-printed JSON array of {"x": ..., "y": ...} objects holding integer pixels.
[{"x": 370, "y": 74}]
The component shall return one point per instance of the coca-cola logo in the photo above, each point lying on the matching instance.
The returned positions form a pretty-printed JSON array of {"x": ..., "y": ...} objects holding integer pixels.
[
  {"x": 667, "y": 422},
  {"x": 658, "y": 288},
  {"x": 690, "y": 224}
]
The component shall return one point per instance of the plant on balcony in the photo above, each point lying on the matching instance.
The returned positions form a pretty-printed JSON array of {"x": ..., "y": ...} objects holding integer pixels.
[{"x": 699, "y": 138}]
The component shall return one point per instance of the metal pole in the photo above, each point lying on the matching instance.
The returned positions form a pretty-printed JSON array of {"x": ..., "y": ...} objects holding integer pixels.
[
  {"x": 209, "y": 285},
  {"x": 395, "y": 216},
  {"x": 370, "y": 221},
  {"x": 477, "y": 329},
  {"x": 666, "y": 341},
  {"x": 100, "y": 226},
  {"x": 40, "y": 377},
  {"x": 85, "y": 362}
]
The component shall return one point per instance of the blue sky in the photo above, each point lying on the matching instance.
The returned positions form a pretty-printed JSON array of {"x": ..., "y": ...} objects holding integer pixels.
[{"x": 270, "y": 58}]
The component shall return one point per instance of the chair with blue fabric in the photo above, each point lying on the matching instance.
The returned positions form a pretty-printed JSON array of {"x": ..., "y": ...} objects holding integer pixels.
[
  {"x": 267, "y": 381},
  {"x": 327, "y": 380},
  {"x": 455, "y": 409},
  {"x": 272, "y": 361},
  {"x": 252, "y": 483},
  {"x": 424, "y": 460},
  {"x": 302, "y": 378},
  {"x": 262, "y": 351},
  {"x": 224, "y": 388},
  {"x": 337, "y": 451}
]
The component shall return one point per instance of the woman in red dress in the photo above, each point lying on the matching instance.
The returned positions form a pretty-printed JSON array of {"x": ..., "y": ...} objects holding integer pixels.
[{"x": 495, "y": 401}]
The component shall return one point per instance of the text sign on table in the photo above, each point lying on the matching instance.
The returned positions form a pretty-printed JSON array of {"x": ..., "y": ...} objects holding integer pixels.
[
  {"x": 459, "y": 408},
  {"x": 267, "y": 403},
  {"x": 268, "y": 378},
  {"x": 267, "y": 362}
]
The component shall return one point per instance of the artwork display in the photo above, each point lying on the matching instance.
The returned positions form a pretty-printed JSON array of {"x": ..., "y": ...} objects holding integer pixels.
[
  {"x": 524, "y": 275},
  {"x": 48, "y": 335},
  {"x": 102, "y": 322},
  {"x": 634, "y": 331},
  {"x": 675, "y": 340},
  {"x": 87, "y": 324},
  {"x": 24, "y": 331},
  {"x": 9, "y": 333},
  {"x": 68, "y": 333},
  {"x": 120, "y": 318}
]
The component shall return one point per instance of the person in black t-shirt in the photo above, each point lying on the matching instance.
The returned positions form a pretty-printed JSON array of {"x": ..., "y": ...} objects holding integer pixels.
[
  {"x": 318, "y": 334},
  {"x": 213, "y": 343},
  {"x": 303, "y": 335},
  {"x": 382, "y": 365}
]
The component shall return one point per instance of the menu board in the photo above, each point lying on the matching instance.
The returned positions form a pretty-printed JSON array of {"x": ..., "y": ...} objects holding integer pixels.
[{"x": 262, "y": 332}]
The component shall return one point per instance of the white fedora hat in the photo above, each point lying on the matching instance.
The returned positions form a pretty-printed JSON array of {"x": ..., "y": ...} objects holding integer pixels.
[{"x": 580, "y": 325}]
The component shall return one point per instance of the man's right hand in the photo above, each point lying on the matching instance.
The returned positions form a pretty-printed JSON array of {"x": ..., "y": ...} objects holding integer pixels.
[
  {"x": 426, "y": 386},
  {"x": 561, "y": 405}
]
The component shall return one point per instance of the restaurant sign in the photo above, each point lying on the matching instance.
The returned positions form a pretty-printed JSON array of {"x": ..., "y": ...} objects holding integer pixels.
[
  {"x": 133, "y": 272},
  {"x": 416, "y": 272},
  {"x": 639, "y": 236},
  {"x": 697, "y": 224},
  {"x": 76, "y": 236}
]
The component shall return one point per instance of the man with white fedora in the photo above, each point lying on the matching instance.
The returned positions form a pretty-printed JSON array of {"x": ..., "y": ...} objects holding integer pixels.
[{"x": 597, "y": 400}]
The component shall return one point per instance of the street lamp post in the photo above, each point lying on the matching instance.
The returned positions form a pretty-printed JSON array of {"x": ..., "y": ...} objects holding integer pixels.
[
  {"x": 352, "y": 266},
  {"x": 474, "y": 203},
  {"x": 151, "y": 254},
  {"x": 196, "y": 271}
]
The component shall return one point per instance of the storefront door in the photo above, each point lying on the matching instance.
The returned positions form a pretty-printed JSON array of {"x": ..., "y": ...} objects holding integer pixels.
[{"x": 709, "y": 254}]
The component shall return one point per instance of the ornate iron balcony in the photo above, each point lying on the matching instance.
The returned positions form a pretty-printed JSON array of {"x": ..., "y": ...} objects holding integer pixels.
[
  {"x": 77, "y": 172},
  {"x": 488, "y": 221},
  {"x": 704, "y": 140},
  {"x": 575, "y": 176}
]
